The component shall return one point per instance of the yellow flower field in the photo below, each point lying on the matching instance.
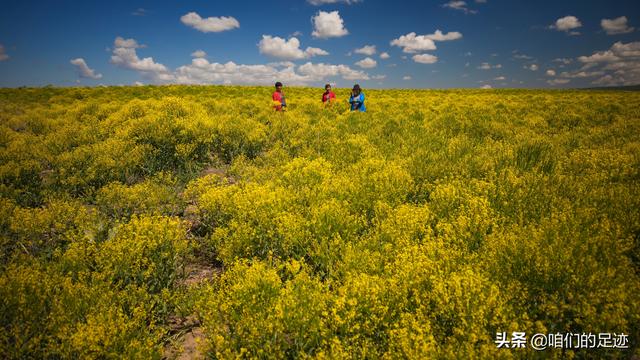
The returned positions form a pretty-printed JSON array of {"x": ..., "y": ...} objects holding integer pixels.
[{"x": 419, "y": 229}]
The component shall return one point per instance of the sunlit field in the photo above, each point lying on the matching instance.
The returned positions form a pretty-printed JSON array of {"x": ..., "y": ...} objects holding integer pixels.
[{"x": 133, "y": 219}]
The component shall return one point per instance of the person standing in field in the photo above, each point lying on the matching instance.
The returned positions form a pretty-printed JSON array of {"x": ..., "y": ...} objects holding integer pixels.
[
  {"x": 279, "y": 102},
  {"x": 329, "y": 96},
  {"x": 357, "y": 99}
]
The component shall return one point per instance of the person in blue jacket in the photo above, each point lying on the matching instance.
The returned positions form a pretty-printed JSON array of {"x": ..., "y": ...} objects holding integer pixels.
[{"x": 357, "y": 99}]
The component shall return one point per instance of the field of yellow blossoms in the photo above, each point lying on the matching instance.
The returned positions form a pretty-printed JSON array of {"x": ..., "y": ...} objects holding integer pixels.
[{"x": 423, "y": 228}]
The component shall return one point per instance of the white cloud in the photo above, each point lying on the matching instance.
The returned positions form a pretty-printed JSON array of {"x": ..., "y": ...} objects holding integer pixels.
[
  {"x": 564, "y": 61},
  {"x": 210, "y": 24},
  {"x": 459, "y": 5},
  {"x": 532, "y": 67},
  {"x": 599, "y": 57},
  {"x": 620, "y": 65},
  {"x": 412, "y": 43},
  {"x": 366, "y": 50},
  {"x": 384, "y": 56},
  {"x": 616, "y": 26},
  {"x": 124, "y": 55},
  {"x": 311, "y": 51},
  {"x": 322, "y": 2},
  {"x": 3, "y": 54},
  {"x": 322, "y": 71},
  {"x": 126, "y": 43},
  {"x": 139, "y": 12},
  {"x": 201, "y": 71},
  {"x": 500, "y": 78},
  {"x": 522, "y": 57},
  {"x": 440, "y": 36},
  {"x": 328, "y": 25},
  {"x": 286, "y": 49},
  {"x": 607, "y": 80},
  {"x": 378, "y": 77},
  {"x": 567, "y": 24},
  {"x": 486, "y": 86},
  {"x": 487, "y": 66},
  {"x": 580, "y": 74},
  {"x": 199, "y": 54},
  {"x": 425, "y": 59},
  {"x": 83, "y": 69},
  {"x": 407, "y": 77},
  {"x": 551, "y": 72},
  {"x": 558, "y": 81},
  {"x": 367, "y": 63}
]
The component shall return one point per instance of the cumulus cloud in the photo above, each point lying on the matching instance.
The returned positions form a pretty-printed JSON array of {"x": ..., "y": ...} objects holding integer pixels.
[
  {"x": 124, "y": 55},
  {"x": 459, "y": 5},
  {"x": 366, "y": 50},
  {"x": 563, "y": 61},
  {"x": 580, "y": 74},
  {"x": 407, "y": 77},
  {"x": 199, "y": 54},
  {"x": 120, "y": 42},
  {"x": 486, "y": 86},
  {"x": 440, "y": 36},
  {"x": 616, "y": 26},
  {"x": 323, "y": 2},
  {"x": 322, "y": 71},
  {"x": 500, "y": 78},
  {"x": 327, "y": 25},
  {"x": 519, "y": 56},
  {"x": 551, "y": 72},
  {"x": 413, "y": 43},
  {"x": 139, "y": 12},
  {"x": 367, "y": 63},
  {"x": 620, "y": 65},
  {"x": 287, "y": 49},
  {"x": 532, "y": 67},
  {"x": 567, "y": 24},
  {"x": 210, "y": 24},
  {"x": 3, "y": 54},
  {"x": 558, "y": 81},
  {"x": 201, "y": 71},
  {"x": 384, "y": 56},
  {"x": 487, "y": 66},
  {"x": 425, "y": 59},
  {"x": 84, "y": 70}
]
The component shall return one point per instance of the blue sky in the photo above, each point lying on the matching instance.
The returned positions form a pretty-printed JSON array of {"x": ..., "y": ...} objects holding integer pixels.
[{"x": 426, "y": 44}]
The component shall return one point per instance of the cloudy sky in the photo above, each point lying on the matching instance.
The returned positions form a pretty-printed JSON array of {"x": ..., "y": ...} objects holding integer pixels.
[{"x": 379, "y": 44}]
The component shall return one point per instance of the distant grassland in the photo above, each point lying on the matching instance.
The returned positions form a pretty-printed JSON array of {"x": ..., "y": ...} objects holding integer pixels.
[{"x": 419, "y": 229}]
